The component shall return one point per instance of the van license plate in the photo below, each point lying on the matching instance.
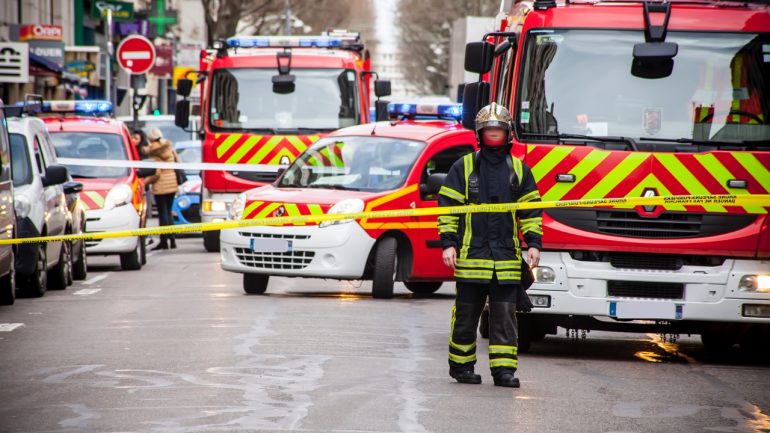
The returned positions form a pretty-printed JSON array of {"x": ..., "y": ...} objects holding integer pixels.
[{"x": 270, "y": 245}]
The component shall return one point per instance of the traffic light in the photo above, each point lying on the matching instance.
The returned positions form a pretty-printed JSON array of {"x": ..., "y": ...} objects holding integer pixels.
[{"x": 156, "y": 112}]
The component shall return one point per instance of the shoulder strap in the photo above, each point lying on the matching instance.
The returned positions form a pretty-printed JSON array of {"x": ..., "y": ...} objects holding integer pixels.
[
  {"x": 473, "y": 184},
  {"x": 514, "y": 167}
]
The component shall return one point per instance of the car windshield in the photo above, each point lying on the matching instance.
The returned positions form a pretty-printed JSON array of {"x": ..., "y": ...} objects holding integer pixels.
[
  {"x": 587, "y": 82},
  {"x": 91, "y": 145},
  {"x": 244, "y": 99},
  {"x": 21, "y": 165},
  {"x": 354, "y": 163},
  {"x": 191, "y": 155}
]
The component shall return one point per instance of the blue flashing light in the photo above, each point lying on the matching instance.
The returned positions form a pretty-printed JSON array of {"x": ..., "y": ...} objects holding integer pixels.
[
  {"x": 88, "y": 106},
  {"x": 426, "y": 111},
  {"x": 285, "y": 41}
]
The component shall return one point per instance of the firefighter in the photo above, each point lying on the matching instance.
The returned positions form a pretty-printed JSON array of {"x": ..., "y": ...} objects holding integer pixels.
[{"x": 484, "y": 248}]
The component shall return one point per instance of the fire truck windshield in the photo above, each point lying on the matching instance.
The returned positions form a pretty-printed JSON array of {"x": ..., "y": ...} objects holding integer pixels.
[
  {"x": 581, "y": 82},
  {"x": 354, "y": 163},
  {"x": 243, "y": 99}
]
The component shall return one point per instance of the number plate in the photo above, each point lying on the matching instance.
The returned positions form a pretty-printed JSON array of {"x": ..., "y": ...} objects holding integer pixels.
[
  {"x": 270, "y": 245},
  {"x": 660, "y": 310}
]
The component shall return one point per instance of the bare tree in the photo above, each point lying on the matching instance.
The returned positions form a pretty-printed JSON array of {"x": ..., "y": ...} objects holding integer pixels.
[
  {"x": 224, "y": 16},
  {"x": 425, "y": 27}
]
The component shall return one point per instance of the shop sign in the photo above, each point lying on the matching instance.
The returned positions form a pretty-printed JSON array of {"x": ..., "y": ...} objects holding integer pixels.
[
  {"x": 50, "y": 50},
  {"x": 121, "y": 11},
  {"x": 41, "y": 32},
  {"x": 14, "y": 62},
  {"x": 80, "y": 67}
]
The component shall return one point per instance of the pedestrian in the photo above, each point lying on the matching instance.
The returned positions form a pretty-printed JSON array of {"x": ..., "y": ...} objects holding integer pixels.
[
  {"x": 164, "y": 183},
  {"x": 139, "y": 139},
  {"x": 484, "y": 248}
]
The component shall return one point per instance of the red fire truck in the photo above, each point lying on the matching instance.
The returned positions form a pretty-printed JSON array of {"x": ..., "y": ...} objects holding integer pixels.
[
  {"x": 265, "y": 99},
  {"x": 630, "y": 99}
]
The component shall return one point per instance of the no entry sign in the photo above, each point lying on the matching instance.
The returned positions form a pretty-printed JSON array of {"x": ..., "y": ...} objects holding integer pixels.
[{"x": 136, "y": 54}]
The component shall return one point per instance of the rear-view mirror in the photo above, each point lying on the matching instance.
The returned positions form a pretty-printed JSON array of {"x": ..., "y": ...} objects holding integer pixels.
[
  {"x": 72, "y": 187},
  {"x": 655, "y": 50},
  {"x": 283, "y": 84},
  {"x": 182, "y": 113},
  {"x": 55, "y": 175},
  {"x": 184, "y": 87},
  {"x": 475, "y": 96},
  {"x": 433, "y": 184},
  {"x": 479, "y": 56},
  {"x": 381, "y": 110},
  {"x": 381, "y": 88},
  {"x": 654, "y": 60}
]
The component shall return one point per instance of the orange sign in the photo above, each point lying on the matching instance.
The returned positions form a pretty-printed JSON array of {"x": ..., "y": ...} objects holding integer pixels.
[{"x": 41, "y": 32}]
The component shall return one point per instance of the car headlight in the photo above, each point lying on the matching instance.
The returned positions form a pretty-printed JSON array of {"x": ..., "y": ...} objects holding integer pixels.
[
  {"x": 236, "y": 208},
  {"x": 348, "y": 205},
  {"x": 119, "y": 195},
  {"x": 214, "y": 206},
  {"x": 755, "y": 283},
  {"x": 22, "y": 207},
  {"x": 544, "y": 274}
]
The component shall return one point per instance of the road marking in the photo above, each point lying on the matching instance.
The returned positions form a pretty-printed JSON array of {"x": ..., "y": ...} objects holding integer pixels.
[
  {"x": 86, "y": 292},
  {"x": 8, "y": 327},
  {"x": 95, "y": 279}
]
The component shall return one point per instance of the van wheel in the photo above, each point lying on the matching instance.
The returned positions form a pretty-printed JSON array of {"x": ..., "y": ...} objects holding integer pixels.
[
  {"x": 80, "y": 264},
  {"x": 385, "y": 267},
  {"x": 211, "y": 241},
  {"x": 8, "y": 287},
  {"x": 35, "y": 284},
  {"x": 423, "y": 288},
  {"x": 61, "y": 275},
  {"x": 131, "y": 261},
  {"x": 255, "y": 284}
]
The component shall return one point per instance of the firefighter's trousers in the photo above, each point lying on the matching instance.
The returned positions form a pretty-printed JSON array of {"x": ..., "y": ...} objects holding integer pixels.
[{"x": 503, "y": 331}]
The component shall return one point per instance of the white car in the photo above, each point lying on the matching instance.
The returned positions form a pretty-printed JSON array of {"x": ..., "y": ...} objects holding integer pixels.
[{"x": 41, "y": 208}]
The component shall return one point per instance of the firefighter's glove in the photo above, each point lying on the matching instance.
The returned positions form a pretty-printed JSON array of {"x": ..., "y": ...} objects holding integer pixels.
[{"x": 523, "y": 304}]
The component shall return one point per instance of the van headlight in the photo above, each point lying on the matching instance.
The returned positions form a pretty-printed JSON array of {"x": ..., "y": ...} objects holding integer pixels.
[
  {"x": 236, "y": 208},
  {"x": 348, "y": 205},
  {"x": 118, "y": 196}
]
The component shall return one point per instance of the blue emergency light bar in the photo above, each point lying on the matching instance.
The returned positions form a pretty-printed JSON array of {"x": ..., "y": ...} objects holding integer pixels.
[
  {"x": 95, "y": 107},
  {"x": 425, "y": 110},
  {"x": 343, "y": 41}
]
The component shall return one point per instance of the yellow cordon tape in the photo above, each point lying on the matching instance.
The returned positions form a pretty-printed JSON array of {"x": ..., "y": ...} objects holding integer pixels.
[{"x": 756, "y": 200}]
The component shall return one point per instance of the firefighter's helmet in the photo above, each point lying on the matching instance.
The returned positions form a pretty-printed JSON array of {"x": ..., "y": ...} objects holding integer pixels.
[{"x": 494, "y": 116}]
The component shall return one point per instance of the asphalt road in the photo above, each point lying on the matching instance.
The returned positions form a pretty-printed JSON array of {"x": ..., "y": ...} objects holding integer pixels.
[{"x": 178, "y": 347}]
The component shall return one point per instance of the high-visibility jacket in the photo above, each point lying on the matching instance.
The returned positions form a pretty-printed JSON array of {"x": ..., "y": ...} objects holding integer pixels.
[{"x": 488, "y": 243}]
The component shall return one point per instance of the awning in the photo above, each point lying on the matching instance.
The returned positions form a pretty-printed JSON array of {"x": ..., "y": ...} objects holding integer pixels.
[{"x": 45, "y": 63}]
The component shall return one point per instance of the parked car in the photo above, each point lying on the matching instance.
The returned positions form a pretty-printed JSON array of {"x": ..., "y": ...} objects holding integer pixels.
[
  {"x": 41, "y": 208},
  {"x": 186, "y": 208},
  {"x": 7, "y": 217}
]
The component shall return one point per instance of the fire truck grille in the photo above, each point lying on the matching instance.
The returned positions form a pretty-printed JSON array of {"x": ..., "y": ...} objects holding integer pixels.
[
  {"x": 255, "y": 176},
  {"x": 668, "y": 225},
  {"x": 645, "y": 289},
  {"x": 664, "y": 262},
  {"x": 290, "y": 260},
  {"x": 274, "y": 236}
]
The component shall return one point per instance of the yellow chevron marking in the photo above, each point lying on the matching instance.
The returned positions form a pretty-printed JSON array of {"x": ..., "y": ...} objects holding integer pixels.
[
  {"x": 228, "y": 142},
  {"x": 267, "y": 210},
  {"x": 315, "y": 209},
  {"x": 392, "y": 196},
  {"x": 243, "y": 149},
  {"x": 581, "y": 170},
  {"x": 250, "y": 208},
  {"x": 281, "y": 153},
  {"x": 293, "y": 210},
  {"x": 721, "y": 174},
  {"x": 617, "y": 175},
  {"x": 753, "y": 166},
  {"x": 651, "y": 181},
  {"x": 266, "y": 148},
  {"x": 96, "y": 197},
  {"x": 554, "y": 157},
  {"x": 297, "y": 143},
  {"x": 686, "y": 178}
]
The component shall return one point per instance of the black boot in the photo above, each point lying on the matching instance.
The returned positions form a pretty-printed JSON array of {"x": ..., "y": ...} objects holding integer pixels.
[
  {"x": 465, "y": 376},
  {"x": 507, "y": 380},
  {"x": 172, "y": 243},
  {"x": 161, "y": 246}
]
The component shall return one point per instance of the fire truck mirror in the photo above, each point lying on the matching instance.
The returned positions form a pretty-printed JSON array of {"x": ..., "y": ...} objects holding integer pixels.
[
  {"x": 184, "y": 87},
  {"x": 475, "y": 96},
  {"x": 654, "y": 60},
  {"x": 479, "y": 56},
  {"x": 182, "y": 114},
  {"x": 283, "y": 84},
  {"x": 381, "y": 88}
]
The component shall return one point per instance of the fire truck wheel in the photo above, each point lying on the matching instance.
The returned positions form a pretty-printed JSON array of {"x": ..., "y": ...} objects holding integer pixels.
[
  {"x": 423, "y": 288},
  {"x": 211, "y": 241},
  {"x": 484, "y": 323},
  {"x": 385, "y": 267},
  {"x": 255, "y": 284},
  {"x": 717, "y": 345}
]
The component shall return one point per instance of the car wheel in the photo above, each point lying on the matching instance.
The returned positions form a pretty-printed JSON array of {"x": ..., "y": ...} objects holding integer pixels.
[
  {"x": 423, "y": 288},
  {"x": 143, "y": 249},
  {"x": 131, "y": 261},
  {"x": 80, "y": 264},
  {"x": 35, "y": 284},
  {"x": 385, "y": 266},
  {"x": 211, "y": 241},
  {"x": 255, "y": 284},
  {"x": 61, "y": 275},
  {"x": 8, "y": 287}
]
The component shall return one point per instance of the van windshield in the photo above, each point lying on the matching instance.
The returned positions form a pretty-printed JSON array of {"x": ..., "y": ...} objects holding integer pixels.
[
  {"x": 91, "y": 145},
  {"x": 21, "y": 165},
  {"x": 322, "y": 100},
  {"x": 581, "y": 82}
]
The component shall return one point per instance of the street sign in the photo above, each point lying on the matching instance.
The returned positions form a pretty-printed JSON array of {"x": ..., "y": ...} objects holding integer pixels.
[
  {"x": 14, "y": 62},
  {"x": 136, "y": 54}
]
